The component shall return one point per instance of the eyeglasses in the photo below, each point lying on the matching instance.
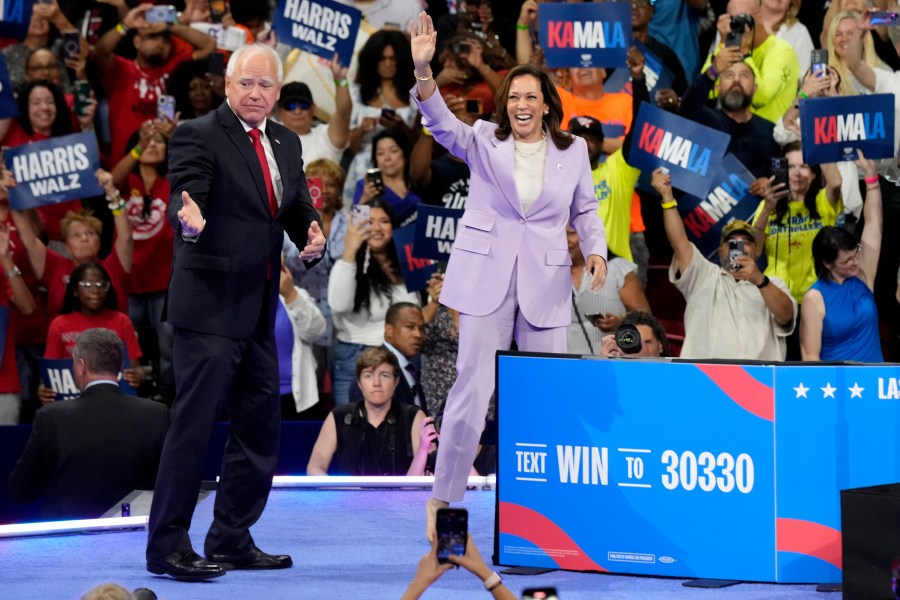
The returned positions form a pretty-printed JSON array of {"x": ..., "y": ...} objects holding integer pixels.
[
  {"x": 89, "y": 285},
  {"x": 850, "y": 259},
  {"x": 295, "y": 104}
]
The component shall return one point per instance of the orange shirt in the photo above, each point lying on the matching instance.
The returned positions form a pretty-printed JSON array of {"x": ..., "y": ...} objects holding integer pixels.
[{"x": 611, "y": 109}]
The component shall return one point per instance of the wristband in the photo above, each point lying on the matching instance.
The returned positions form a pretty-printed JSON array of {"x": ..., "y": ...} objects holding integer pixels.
[
  {"x": 712, "y": 70},
  {"x": 421, "y": 78},
  {"x": 120, "y": 27},
  {"x": 803, "y": 95},
  {"x": 14, "y": 273},
  {"x": 425, "y": 131},
  {"x": 136, "y": 152},
  {"x": 669, "y": 204},
  {"x": 341, "y": 83},
  {"x": 492, "y": 581},
  {"x": 871, "y": 180},
  {"x": 764, "y": 283},
  {"x": 521, "y": 27}
]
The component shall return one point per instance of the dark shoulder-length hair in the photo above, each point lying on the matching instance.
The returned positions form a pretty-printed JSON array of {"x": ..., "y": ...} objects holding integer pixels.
[
  {"x": 71, "y": 303},
  {"x": 62, "y": 124},
  {"x": 827, "y": 244},
  {"x": 809, "y": 199},
  {"x": 370, "y": 54},
  {"x": 369, "y": 275},
  {"x": 180, "y": 84},
  {"x": 402, "y": 140},
  {"x": 552, "y": 120}
]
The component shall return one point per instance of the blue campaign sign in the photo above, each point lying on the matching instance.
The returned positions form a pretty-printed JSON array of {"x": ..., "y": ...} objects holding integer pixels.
[
  {"x": 320, "y": 27},
  {"x": 53, "y": 171},
  {"x": 690, "y": 151},
  {"x": 57, "y": 374},
  {"x": 585, "y": 35},
  {"x": 15, "y": 17},
  {"x": 676, "y": 479},
  {"x": 657, "y": 76},
  {"x": 8, "y": 106},
  {"x": 834, "y": 128},
  {"x": 436, "y": 231},
  {"x": 729, "y": 198},
  {"x": 416, "y": 271}
]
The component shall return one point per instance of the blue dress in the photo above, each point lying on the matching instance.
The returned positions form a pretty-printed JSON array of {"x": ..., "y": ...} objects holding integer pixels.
[{"x": 850, "y": 328}]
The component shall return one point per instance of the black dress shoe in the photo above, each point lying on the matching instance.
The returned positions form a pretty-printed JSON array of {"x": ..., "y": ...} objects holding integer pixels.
[
  {"x": 185, "y": 566},
  {"x": 252, "y": 559}
]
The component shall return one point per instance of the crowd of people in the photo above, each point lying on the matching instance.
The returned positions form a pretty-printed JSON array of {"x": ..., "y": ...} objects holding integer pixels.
[{"x": 457, "y": 109}]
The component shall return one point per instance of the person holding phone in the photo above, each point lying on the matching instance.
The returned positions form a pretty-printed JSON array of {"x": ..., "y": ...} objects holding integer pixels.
[
  {"x": 391, "y": 155},
  {"x": 733, "y": 310},
  {"x": 508, "y": 274},
  {"x": 790, "y": 216},
  {"x": 363, "y": 284},
  {"x": 472, "y": 71}
]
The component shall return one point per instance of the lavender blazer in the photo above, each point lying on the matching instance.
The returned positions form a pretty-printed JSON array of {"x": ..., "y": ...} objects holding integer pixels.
[{"x": 495, "y": 236}]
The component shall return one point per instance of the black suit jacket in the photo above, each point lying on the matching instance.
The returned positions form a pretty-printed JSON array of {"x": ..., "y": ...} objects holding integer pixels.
[
  {"x": 221, "y": 283},
  {"x": 87, "y": 453}
]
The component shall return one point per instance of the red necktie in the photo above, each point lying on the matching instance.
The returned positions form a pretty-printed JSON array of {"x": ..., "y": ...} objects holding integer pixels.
[{"x": 261, "y": 155}]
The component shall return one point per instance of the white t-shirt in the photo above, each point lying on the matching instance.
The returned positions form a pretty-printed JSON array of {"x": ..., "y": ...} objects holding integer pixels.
[{"x": 316, "y": 144}]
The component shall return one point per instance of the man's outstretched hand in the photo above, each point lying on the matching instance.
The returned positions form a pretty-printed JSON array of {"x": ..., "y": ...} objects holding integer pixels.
[{"x": 315, "y": 243}]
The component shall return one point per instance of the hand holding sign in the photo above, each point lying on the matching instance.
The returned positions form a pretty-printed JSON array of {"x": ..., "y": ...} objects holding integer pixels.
[
  {"x": 190, "y": 217},
  {"x": 528, "y": 13},
  {"x": 635, "y": 61}
]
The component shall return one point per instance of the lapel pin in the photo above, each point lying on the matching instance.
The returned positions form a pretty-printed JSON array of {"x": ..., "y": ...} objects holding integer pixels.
[
  {"x": 277, "y": 141},
  {"x": 559, "y": 165}
]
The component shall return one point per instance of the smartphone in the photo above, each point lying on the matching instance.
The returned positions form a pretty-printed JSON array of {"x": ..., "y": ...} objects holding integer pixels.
[
  {"x": 819, "y": 62},
  {"x": 735, "y": 251},
  {"x": 165, "y": 107},
  {"x": 460, "y": 48},
  {"x": 474, "y": 106},
  {"x": 544, "y": 593},
  {"x": 452, "y": 533},
  {"x": 780, "y": 171},
  {"x": 217, "y": 9},
  {"x": 215, "y": 64},
  {"x": 388, "y": 112},
  {"x": 733, "y": 40},
  {"x": 71, "y": 45},
  {"x": 315, "y": 191},
  {"x": 161, "y": 14},
  {"x": 885, "y": 18},
  {"x": 82, "y": 93},
  {"x": 359, "y": 215},
  {"x": 593, "y": 317},
  {"x": 374, "y": 175}
]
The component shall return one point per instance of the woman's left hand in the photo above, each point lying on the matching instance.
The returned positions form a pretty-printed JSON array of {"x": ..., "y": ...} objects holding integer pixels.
[{"x": 596, "y": 265}]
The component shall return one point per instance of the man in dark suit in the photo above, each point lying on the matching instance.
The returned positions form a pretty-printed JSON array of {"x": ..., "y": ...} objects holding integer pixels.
[
  {"x": 237, "y": 186},
  {"x": 87, "y": 453},
  {"x": 404, "y": 330}
]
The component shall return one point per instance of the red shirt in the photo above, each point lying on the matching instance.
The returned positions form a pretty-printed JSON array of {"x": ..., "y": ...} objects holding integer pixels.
[
  {"x": 57, "y": 269},
  {"x": 153, "y": 236},
  {"x": 26, "y": 329},
  {"x": 9, "y": 372},
  {"x": 51, "y": 214},
  {"x": 133, "y": 93},
  {"x": 64, "y": 330}
]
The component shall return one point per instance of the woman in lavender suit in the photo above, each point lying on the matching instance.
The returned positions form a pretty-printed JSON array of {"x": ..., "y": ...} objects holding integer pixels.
[{"x": 508, "y": 274}]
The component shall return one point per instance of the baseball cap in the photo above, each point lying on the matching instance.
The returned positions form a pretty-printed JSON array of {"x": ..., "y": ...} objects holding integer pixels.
[
  {"x": 295, "y": 91},
  {"x": 737, "y": 226},
  {"x": 579, "y": 125}
]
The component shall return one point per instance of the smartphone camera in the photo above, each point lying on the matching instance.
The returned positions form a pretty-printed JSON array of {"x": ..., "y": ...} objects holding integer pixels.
[
  {"x": 165, "y": 108},
  {"x": 374, "y": 175},
  {"x": 460, "y": 48},
  {"x": 71, "y": 45},
  {"x": 735, "y": 251},
  {"x": 819, "y": 62},
  {"x": 741, "y": 22},
  {"x": 452, "y": 533},
  {"x": 474, "y": 106},
  {"x": 780, "y": 171},
  {"x": 388, "y": 113},
  {"x": 161, "y": 14}
]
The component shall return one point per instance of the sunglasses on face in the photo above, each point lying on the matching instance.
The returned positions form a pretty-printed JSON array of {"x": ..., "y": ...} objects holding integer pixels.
[{"x": 295, "y": 104}]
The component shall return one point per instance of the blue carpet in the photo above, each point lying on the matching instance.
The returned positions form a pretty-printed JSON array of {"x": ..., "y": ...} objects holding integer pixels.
[{"x": 346, "y": 545}]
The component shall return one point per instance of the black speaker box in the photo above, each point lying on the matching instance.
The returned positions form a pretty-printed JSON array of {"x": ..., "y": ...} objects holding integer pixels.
[{"x": 870, "y": 526}]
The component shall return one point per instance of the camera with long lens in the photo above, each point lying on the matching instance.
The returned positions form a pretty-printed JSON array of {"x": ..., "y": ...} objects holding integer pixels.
[
  {"x": 740, "y": 22},
  {"x": 628, "y": 338}
]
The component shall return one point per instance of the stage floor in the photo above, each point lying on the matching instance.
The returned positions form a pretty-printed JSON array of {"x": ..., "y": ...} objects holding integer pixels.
[{"x": 346, "y": 544}]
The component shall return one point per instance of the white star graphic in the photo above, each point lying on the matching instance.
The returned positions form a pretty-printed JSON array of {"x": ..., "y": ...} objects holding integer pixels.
[
  {"x": 828, "y": 390},
  {"x": 801, "y": 390},
  {"x": 855, "y": 391}
]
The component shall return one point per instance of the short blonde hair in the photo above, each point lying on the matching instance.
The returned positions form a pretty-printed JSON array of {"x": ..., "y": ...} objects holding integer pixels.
[{"x": 84, "y": 216}]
